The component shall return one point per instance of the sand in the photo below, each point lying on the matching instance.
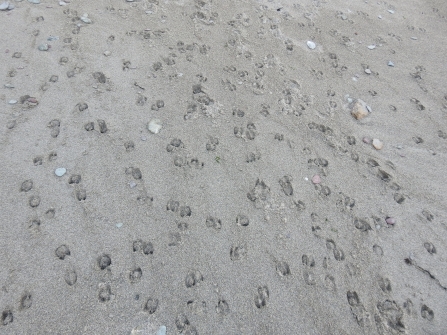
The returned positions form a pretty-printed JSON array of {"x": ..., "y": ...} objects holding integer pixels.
[{"x": 261, "y": 205}]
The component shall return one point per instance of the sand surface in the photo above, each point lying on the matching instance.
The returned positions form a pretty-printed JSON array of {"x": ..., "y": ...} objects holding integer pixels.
[{"x": 261, "y": 206}]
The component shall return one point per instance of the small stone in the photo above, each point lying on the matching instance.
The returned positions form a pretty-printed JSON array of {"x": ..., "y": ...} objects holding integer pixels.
[
  {"x": 316, "y": 179},
  {"x": 311, "y": 45},
  {"x": 4, "y": 5},
  {"x": 107, "y": 53},
  {"x": 132, "y": 184},
  {"x": 154, "y": 126},
  {"x": 359, "y": 110},
  {"x": 60, "y": 172},
  {"x": 414, "y": 38},
  {"x": 390, "y": 63},
  {"x": 12, "y": 102},
  {"x": 390, "y": 11},
  {"x": 367, "y": 140},
  {"x": 368, "y": 71},
  {"x": 85, "y": 19},
  {"x": 161, "y": 330},
  {"x": 390, "y": 221},
  {"x": 344, "y": 17},
  {"x": 36, "y": 2},
  {"x": 380, "y": 16},
  {"x": 43, "y": 47},
  {"x": 119, "y": 225},
  {"x": 371, "y": 47},
  {"x": 9, "y": 85},
  {"x": 62, "y": 3},
  {"x": 377, "y": 144}
]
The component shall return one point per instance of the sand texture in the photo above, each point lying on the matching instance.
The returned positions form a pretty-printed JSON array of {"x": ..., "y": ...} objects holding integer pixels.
[{"x": 223, "y": 167}]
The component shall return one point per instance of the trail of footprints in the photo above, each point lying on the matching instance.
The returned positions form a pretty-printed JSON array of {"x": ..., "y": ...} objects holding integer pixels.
[{"x": 387, "y": 315}]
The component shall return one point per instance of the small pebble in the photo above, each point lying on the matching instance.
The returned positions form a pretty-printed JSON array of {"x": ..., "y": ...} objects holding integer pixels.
[
  {"x": 161, "y": 330},
  {"x": 390, "y": 11},
  {"x": 367, "y": 140},
  {"x": 60, "y": 172},
  {"x": 43, "y": 47},
  {"x": 85, "y": 19},
  {"x": 132, "y": 184},
  {"x": 316, "y": 179},
  {"x": 380, "y": 16},
  {"x": 367, "y": 71},
  {"x": 9, "y": 86},
  {"x": 12, "y": 102},
  {"x": 4, "y": 5},
  {"x": 377, "y": 144},
  {"x": 62, "y": 3},
  {"x": 154, "y": 126},
  {"x": 107, "y": 53},
  {"x": 119, "y": 225},
  {"x": 414, "y": 38},
  {"x": 359, "y": 110},
  {"x": 390, "y": 221},
  {"x": 390, "y": 63},
  {"x": 371, "y": 47},
  {"x": 34, "y": 1},
  {"x": 311, "y": 45}
]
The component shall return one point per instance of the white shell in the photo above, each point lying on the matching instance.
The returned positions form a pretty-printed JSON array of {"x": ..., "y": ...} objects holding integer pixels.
[
  {"x": 60, "y": 172},
  {"x": 311, "y": 45},
  {"x": 154, "y": 126},
  {"x": 4, "y": 6}
]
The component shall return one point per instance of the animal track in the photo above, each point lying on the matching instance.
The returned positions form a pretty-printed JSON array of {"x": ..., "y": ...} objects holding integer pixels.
[
  {"x": 151, "y": 305},
  {"x": 81, "y": 195},
  {"x": 26, "y": 301},
  {"x": 261, "y": 296},
  {"x": 34, "y": 201},
  {"x": 238, "y": 252},
  {"x": 174, "y": 206},
  {"x": 282, "y": 268},
  {"x": 362, "y": 224},
  {"x": 249, "y": 133},
  {"x": 7, "y": 317},
  {"x": 242, "y": 220},
  {"x": 286, "y": 185},
  {"x": 338, "y": 253},
  {"x": 193, "y": 278},
  {"x": 62, "y": 251},
  {"x": 104, "y": 261},
  {"x": 71, "y": 277},
  {"x": 430, "y": 247},
  {"x": 183, "y": 325},
  {"x": 357, "y": 309},
  {"x": 392, "y": 314},
  {"x": 213, "y": 222},
  {"x": 259, "y": 193},
  {"x": 26, "y": 186},
  {"x": 253, "y": 157},
  {"x": 212, "y": 143},
  {"x": 135, "y": 275},
  {"x": 105, "y": 292},
  {"x": 222, "y": 307},
  {"x": 427, "y": 313},
  {"x": 385, "y": 285},
  {"x": 175, "y": 144}
]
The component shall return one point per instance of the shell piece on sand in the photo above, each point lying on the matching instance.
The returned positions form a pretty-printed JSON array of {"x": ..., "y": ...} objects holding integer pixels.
[
  {"x": 311, "y": 45},
  {"x": 377, "y": 144},
  {"x": 60, "y": 172},
  {"x": 4, "y": 5},
  {"x": 154, "y": 126},
  {"x": 359, "y": 109},
  {"x": 43, "y": 47}
]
